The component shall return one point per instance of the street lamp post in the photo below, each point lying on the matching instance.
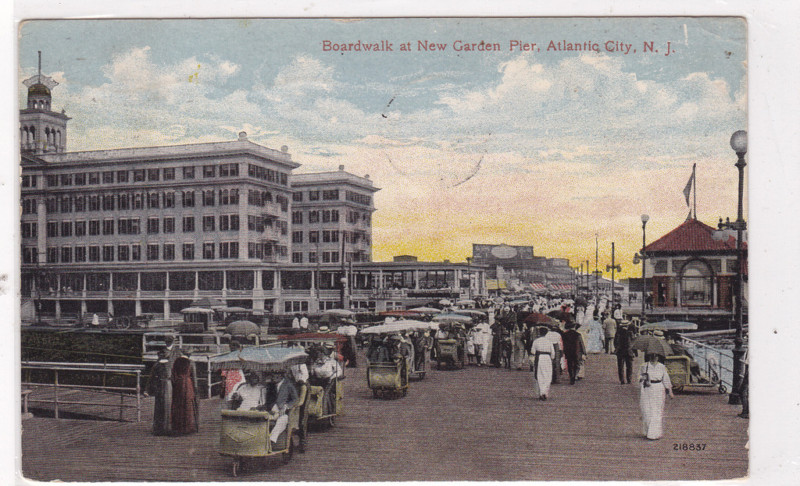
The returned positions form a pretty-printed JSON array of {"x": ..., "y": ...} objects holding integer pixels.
[
  {"x": 645, "y": 219},
  {"x": 613, "y": 268},
  {"x": 739, "y": 145}
]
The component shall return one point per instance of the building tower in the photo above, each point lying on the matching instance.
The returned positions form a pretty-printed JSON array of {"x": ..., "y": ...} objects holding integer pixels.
[{"x": 41, "y": 130}]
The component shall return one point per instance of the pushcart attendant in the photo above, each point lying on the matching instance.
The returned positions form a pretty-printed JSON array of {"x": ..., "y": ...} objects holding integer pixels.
[{"x": 654, "y": 383}]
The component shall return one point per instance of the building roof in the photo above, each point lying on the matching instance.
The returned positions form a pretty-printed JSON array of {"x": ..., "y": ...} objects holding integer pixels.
[
  {"x": 241, "y": 146},
  {"x": 693, "y": 236},
  {"x": 332, "y": 177}
]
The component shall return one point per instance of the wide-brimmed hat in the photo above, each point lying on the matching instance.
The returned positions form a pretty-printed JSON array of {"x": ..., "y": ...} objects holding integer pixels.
[{"x": 323, "y": 329}]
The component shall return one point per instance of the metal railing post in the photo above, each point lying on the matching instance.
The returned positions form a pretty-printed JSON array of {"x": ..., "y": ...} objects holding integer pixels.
[
  {"x": 138, "y": 396},
  {"x": 55, "y": 394}
]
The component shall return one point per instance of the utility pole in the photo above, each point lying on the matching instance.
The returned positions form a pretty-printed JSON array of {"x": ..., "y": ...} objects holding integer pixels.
[{"x": 613, "y": 268}]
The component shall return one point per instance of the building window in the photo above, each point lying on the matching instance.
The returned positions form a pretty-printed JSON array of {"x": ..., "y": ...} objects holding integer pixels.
[
  {"x": 108, "y": 202},
  {"x": 169, "y": 173},
  {"x": 108, "y": 177},
  {"x": 66, "y": 254},
  {"x": 153, "y": 200},
  {"x": 331, "y": 236},
  {"x": 29, "y": 230},
  {"x": 80, "y": 253},
  {"x": 209, "y": 171},
  {"x": 52, "y": 229},
  {"x": 152, "y": 252},
  {"x": 52, "y": 180},
  {"x": 188, "y": 251},
  {"x": 312, "y": 257},
  {"x": 94, "y": 253},
  {"x": 297, "y": 257},
  {"x": 169, "y": 200},
  {"x": 122, "y": 176},
  {"x": 330, "y": 195},
  {"x": 66, "y": 228},
  {"x": 29, "y": 206},
  {"x": 208, "y": 251},
  {"x": 80, "y": 228},
  {"x": 313, "y": 216},
  {"x": 229, "y": 249},
  {"x": 94, "y": 227},
  {"x": 152, "y": 226},
  {"x": 297, "y": 236},
  {"x": 66, "y": 179},
  {"x": 169, "y": 251},
  {"x": 313, "y": 236},
  {"x": 138, "y": 201},
  {"x": 208, "y": 223},
  {"x": 228, "y": 170},
  {"x": 52, "y": 255},
  {"x": 188, "y": 199},
  {"x": 123, "y": 254},
  {"x": 169, "y": 225},
  {"x": 297, "y": 217},
  {"x": 108, "y": 226},
  {"x": 208, "y": 198},
  {"x": 153, "y": 174},
  {"x": 313, "y": 195},
  {"x": 138, "y": 175},
  {"x": 123, "y": 201},
  {"x": 108, "y": 253},
  {"x": 188, "y": 224},
  {"x": 80, "y": 179},
  {"x": 136, "y": 252},
  {"x": 188, "y": 172},
  {"x": 229, "y": 222}
]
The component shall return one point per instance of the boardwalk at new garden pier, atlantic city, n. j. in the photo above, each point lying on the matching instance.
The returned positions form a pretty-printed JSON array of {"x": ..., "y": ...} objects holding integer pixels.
[{"x": 471, "y": 424}]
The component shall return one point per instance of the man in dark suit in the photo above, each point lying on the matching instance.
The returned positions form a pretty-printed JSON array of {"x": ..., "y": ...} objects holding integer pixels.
[
  {"x": 574, "y": 351},
  {"x": 285, "y": 396},
  {"x": 622, "y": 348}
]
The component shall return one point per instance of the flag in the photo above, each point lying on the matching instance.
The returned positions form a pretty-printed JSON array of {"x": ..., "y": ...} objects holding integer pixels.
[{"x": 688, "y": 189}]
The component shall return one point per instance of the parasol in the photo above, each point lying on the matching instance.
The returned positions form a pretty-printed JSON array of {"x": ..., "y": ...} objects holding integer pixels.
[
  {"x": 652, "y": 345},
  {"x": 258, "y": 358},
  {"x": 425, "y": 310},
  {"x": 466, "y": 302},
  {"x": 537, "y": 318},
  {"x": 445, "y": 302},
  {"x": 339, "y": 312},
  {"x": 669, "y": 326},
  {"x": 452, "y": 318},
  {"x": 470, "y": 312},
  {"x": 400, "y": 326},
  {"x": 242, "y": 328}
]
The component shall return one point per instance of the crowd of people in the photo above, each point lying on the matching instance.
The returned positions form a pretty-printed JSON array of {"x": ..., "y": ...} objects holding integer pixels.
[{"x": 548, "y": 336}]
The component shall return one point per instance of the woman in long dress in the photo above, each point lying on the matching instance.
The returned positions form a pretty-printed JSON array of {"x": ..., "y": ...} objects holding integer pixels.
[
  {"x": 542, "y": 353},
  {"x": 184, "y": 397},
  {"x": 160, "y": 387},
  {"x": 654, "y": 383},
  {"x": 595, "y": 339}
]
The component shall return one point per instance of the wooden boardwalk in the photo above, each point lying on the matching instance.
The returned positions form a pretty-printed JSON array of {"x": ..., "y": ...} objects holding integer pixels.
[{"x": 472, "y": 424}]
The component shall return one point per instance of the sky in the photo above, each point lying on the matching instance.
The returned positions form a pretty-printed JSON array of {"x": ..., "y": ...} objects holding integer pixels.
[{"x": 545, "y": 147}]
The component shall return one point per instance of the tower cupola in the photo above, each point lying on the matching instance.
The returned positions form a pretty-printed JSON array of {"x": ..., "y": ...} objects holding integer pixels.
[{"x": 41, "y": 129}]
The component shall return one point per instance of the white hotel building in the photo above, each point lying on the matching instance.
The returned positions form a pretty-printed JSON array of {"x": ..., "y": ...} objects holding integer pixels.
[{"x": 150, "y": 230}]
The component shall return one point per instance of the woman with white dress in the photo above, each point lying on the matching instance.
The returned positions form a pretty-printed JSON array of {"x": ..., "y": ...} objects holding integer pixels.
[
  {"x": 542, "y": 357},
  {"x": 654, "y": 383}
]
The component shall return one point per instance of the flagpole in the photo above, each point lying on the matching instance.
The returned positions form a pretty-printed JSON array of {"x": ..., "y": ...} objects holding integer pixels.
[{"x": 694, "y": 178}]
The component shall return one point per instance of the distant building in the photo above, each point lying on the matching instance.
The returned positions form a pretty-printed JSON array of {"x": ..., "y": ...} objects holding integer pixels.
[{"x": 518, "y": 264}]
